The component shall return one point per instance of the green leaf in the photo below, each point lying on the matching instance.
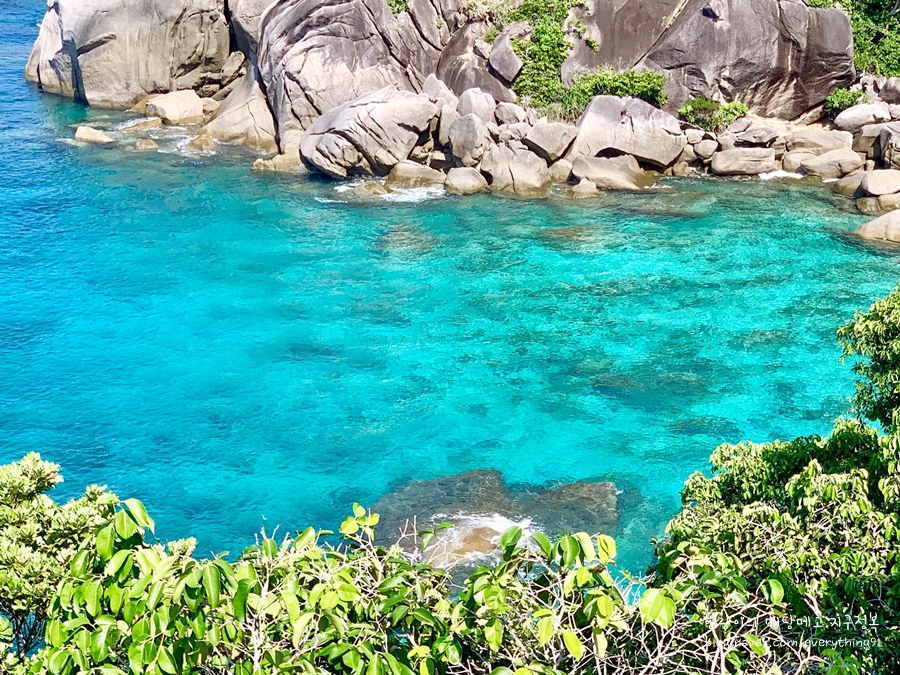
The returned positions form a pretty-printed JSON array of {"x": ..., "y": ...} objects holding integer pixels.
[
  {"x": 543, "y": 543},
  {"x": 573, "y": 644},
  {"x": 545, "y": 630},
  {"x": 600, "y": 643},
  {"x": 350, "y": 527},
  {"x": 511, "y": 536},
  {"x": 756, "y": 644},
  {"x": 773, "y": 591},
  {"x": 657, "y": 607},
  {"x": 212, "y": 584},
  {"x": 105, "y": 538},
  {"x": 493, "y": 635},
  {"x": 587, "y": 546},
  {"x": 358, "y": 511},
  {"x": 606, "y": 548},
  {"x": 139, "y": 514}
]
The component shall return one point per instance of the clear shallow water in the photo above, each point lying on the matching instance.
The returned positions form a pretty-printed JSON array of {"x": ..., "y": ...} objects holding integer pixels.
[{"x": 231, "y": 347}]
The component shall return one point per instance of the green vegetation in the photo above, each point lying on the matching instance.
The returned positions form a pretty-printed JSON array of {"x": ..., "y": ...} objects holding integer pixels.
[
  {"x": 875, "y": 336},
  {"x": 644, "y": 84},
  {"x": 876, "y": 33},
  {"x": 398, "y": 6},
  {"x": 785, "y": 560},
  {"x": 841, "y": 99},
  {"x": 711, "y": 115}
]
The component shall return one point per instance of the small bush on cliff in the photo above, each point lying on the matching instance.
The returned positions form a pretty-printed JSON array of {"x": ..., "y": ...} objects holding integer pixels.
[
  {"x": 841, "y": 99},
  {"x": 643, "y": 84},
  {"x": 711, "y": 115},
  {"x": 398, "y": 6}
]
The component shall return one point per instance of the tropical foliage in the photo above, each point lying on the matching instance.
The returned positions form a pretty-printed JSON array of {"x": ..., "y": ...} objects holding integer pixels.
[
  {"x": 841, "y": 99},
  {"x": 876, "y": 33}
]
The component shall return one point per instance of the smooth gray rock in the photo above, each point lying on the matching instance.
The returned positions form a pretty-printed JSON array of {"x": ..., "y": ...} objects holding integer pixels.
[
  {"x": 780, "y": 57},
  {"x": 883, "y": 228},
  {"x": 503, "y": 59},
  {"x": 408, "y": 174},
  {"x": 244, "y": 118},
  {"x": 516, "y": 169},
  {"x": 113, "y": 53},
  {"x": 848, "y": 186},
  {"x": 448, "y": 117},
  {"x": 369, "y": 135},
  {"x": 743, "y": 161},
  {"x": 560, "y": 170},
  {"x": 611, "y": 173},
  {"x": 315, "y": 55},
  {"x": 856, "y": 117},
  {"x": 791, "y": 161},
  {"x": 889, "y": 92},
  {"x": 439, "y": 92},
  {"x": 880, "y": 182},
  {"x": 510, "y": 113},
  {"x": 706, "y": 148},
  {"x": 550, "y": 140},
  {"x": 462, "y": 66},
  {"x": 469, "y": 139},
  {"x": 864, "y": 139},
  {"x": 245, "y": 18},
  {"x": 694, "y": 136},
  {"x": 477, "y": 102},
  {"x": 832, "y": 164},
  {"x": 887, "y": 147},
  {"x": 584, "y": 188},
  {"x": 630, "y": 126},
  {"x": 818, "y": 141},
  {"x": 759, "y": 136},
  {"x": 465, "y": 181}
]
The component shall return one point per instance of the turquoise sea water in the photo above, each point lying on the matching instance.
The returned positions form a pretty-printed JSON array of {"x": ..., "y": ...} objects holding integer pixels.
[{"x": 238, "y": 349}]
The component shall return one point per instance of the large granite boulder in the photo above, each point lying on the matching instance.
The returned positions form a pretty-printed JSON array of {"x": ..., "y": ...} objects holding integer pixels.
[
  {"x": 514, "y": 168},
  {"x": 244, "y": 118},
  {"x": 832, "y": 164},
  {"x": 469, "y": 139},
  {"x": 409, "y": 174},
  {"x": 856, "y": 117},
  {"x": 743, "y": 161},
  {"x": 550, "y": 140},
  {"x": 315, "y": 55},
  {"x": 177, "y": 107},
  {"x": 818, "y": 141},
  {"x": 465, "y": 181},
  {"x": 880, "y": 182},
  {"x": 113, "y": 53},
  {"x": 611, "y": 173},
  {"x": 630, "y": 126},
  {"x": 883, "y": 228},
  {"x": 887, "y": 147},
  {"x": 780, "y": 57},
  {"x": 464, "y": 65},
  {"x": 245, "y": 18},
  {"x": 369, "y": 135}
]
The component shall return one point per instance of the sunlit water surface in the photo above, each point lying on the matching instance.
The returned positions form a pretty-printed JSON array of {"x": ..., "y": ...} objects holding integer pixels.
[{"x": 239, "y": 349}]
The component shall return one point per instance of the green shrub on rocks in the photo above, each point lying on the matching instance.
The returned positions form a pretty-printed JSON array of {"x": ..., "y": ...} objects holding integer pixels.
[
  {"x": 644, "y": 84},
  {"x": 711, "y": 115},
  {"x": 398, "y": 6},
  {"x": 841, "y": 99}
]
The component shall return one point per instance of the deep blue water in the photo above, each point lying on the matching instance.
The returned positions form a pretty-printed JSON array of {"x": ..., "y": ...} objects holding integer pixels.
[{"x": 238, "y": 349}]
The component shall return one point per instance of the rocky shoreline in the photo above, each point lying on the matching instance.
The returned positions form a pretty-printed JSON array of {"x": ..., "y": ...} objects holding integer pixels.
[{"x": 419, "y": 96}]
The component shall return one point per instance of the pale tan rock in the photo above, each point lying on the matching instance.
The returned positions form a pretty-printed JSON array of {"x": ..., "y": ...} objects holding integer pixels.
[
  {"x": 408, "y": 174},
  {"x": 90, "y": 135},
  {"x": 881, "y": 182},
  {"x": 584, "y": 188},
  {"x": 244, "y": 118},
  {"x": 465, "y": 181},
  {"x": 177, "y": 107},
  {"x": 201, "y": 143},
  {"x": 146, "y": 144},
  {"x": 285, "y": 162},
  {"x": 743, "y": 161},
  {"x": 142, "y": 125},
  {"x": 210, "y": 106},
  {"x": 560, "y": 171},
  {"x": 883, "y": 228},
  {"x": 832, "y": 164},
  {"x": 848, "y": 186}
]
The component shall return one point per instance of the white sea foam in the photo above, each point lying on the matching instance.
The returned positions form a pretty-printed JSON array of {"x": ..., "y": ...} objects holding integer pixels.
[
  {"x": 781, "y": 173},
  {"x": 414, "y": 195},
  {"x": 343, "y": 187},
  {"x": 473, "y": 537}
]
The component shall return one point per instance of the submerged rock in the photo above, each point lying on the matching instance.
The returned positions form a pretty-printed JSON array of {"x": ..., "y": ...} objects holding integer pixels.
[
  {"x": 146, "y": 144},
  {"x": 407, "y": 174},
  {"x": 611, "y": 173}
]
